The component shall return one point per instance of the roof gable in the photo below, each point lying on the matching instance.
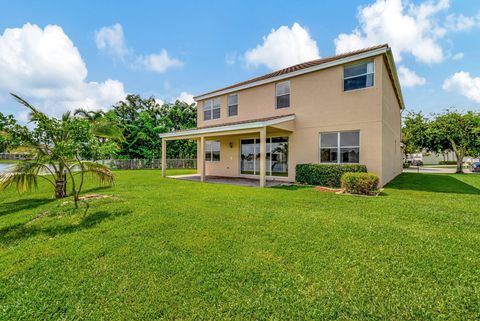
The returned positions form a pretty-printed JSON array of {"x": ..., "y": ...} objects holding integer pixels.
[{"x": 315, "y": 65}]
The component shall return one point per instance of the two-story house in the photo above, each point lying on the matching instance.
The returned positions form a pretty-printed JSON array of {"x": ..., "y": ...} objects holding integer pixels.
[{"x": 340, "y": 109}]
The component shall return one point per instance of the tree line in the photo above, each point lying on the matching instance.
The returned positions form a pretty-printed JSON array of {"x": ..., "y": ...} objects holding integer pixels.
[{"x": 135, "y": 123}]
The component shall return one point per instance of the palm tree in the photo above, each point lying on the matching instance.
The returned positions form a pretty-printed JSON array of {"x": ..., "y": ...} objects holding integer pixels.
[
  {"x": 60, "y": 147},
  {"x": 102, "y": 126}
]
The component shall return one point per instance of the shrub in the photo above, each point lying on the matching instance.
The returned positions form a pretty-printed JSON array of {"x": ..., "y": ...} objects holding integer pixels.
[
  {"x": 325, "y": 174},
  {"x": 406, "y": 165},
  {"x": 447, "y": 163},
  {"x": 360, "y": 183}
]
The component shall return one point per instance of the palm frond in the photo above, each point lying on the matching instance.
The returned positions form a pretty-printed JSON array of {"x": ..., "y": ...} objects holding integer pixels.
[
  {"x": 98, "y": 171},
  {"x": 105, "y": 129},
  {"x": 23, "y": 174},
  {"x": 34, "y": 112},
  {"x": 66, "y": 115},
  {"x": 81, "y": 112}
]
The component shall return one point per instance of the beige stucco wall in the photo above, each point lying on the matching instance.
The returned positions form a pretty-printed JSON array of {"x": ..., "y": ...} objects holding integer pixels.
[
  {"x": 391, "y": 130},
  {"x": 320, "y": 105}
]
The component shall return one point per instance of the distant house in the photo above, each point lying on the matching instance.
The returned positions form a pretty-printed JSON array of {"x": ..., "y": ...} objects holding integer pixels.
[{"x": 343, "y": 109}]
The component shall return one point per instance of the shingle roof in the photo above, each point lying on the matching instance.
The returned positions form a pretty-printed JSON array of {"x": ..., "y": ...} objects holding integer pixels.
[{"x": 297, "y": 67}]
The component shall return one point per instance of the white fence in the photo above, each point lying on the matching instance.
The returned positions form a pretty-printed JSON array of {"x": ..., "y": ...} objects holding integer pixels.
[{"x": 148, "y": 163}]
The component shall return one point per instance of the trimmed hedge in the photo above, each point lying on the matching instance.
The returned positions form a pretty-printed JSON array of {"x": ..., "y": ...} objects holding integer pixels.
[
  {"x": 447, "y": 163},
  {"x": 406, "y": 165},
  {"x": 325, "y": 174},
  {"x": 360, "y": 183}
]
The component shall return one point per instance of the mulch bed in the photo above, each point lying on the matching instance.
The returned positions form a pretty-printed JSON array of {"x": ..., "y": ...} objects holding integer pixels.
[
  {"x": 342, "y": 191},
  {"x": 328, "y": 189}
]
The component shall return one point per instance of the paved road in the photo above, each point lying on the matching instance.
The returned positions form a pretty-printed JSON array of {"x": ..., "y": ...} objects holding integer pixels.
[{"x": 433, "y": 170}]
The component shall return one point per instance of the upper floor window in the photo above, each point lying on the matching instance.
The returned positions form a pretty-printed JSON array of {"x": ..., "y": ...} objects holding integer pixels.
[
  {"x": 358, "y": 76},
  {"x": 211, "y": 109},
  {"x": 340, "y": 147},
  {"x": 233, "y": 105},
  {"x": 283, "y": 94},
  {"x": 212, "y": 150}
]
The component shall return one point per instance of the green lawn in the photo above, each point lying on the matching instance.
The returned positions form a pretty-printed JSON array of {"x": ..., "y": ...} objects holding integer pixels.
[
  {"x": 170, "y": 249},
  {"x": 8, "y": 161}
]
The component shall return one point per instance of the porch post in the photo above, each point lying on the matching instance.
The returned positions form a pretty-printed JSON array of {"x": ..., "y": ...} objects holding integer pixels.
[
  {"x": 164, "y": 157},
  {"x": 201, "y": 158},
  {"x": 263, "y": 155}
]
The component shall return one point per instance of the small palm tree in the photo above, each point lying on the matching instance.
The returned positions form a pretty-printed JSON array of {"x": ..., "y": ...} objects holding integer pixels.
[{"x": 60, "y": 149}]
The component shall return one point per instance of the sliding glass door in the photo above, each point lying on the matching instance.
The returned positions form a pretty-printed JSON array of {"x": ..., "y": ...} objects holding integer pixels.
[
  {"x": 248, "y": 157},
  {"x": 277, "y": 156}
]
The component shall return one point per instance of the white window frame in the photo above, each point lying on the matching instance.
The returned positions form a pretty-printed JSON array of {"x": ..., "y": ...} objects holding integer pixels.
[
  {"x": 211, "y": 150},
  {"x": 365, "y": 74},
  {"x": 228, "y": 105},
  {"x": 339, "y": 148},
  {"x": 209, "y": 107},
  {"x": 289, "y": 94}
]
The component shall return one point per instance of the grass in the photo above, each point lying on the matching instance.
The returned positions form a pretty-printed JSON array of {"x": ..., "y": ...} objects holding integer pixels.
[
  {"x": 171, "y": 249},
  {"x": 8, "y": 161}
]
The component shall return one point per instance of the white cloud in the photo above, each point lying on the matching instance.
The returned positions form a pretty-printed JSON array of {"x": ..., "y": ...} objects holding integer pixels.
[
  {"x": 408, "y": 28},
  {"x": 458, "y": 56},
  {"x": 44, "y": 66},
  {"x": 408, "y": 78},
  {"x": 159, "y": 62},
  {"x": 283, "y": 47},
  {"x": 111, "y": 40},
  {"x": 186, "y": 97},
  {"x": 459, "y": 22},
  {"x": 465, "y": 84}
]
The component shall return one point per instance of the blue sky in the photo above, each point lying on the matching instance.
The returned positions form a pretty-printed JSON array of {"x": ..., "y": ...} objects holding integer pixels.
[{"x": 104, "y": 49}]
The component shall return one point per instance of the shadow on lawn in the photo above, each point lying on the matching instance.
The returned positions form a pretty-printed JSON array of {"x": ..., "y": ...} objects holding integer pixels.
[
  {"x": 23, "y": 204},
  {"x": 22, "y": 231},
  {"x": 436, "y": 183}
]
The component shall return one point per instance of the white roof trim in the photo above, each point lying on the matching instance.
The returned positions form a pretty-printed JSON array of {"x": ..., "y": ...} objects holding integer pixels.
[
  {"x": 341, "y": 61},
  {"x": 396, "y": 81},
  {"x": 226, "y": 128}
]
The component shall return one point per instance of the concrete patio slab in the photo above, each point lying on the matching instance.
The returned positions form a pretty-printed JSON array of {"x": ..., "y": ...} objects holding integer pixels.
[{"x": 239, "y": 181}]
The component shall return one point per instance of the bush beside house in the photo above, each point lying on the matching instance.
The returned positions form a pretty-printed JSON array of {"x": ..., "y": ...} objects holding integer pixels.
[
  {"x": 325, "y": 174},
  {"x": 360, "y": 183}
]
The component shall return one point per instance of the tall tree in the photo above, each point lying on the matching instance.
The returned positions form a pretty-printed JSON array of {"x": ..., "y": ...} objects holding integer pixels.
[
  {"x": 451, "y": 130},
  {"x": 413, "y": 133},
  {"x": 144, "y": 119},
  {"x": 178, "y": 116},
  {"x": 458, "y": 132},
  {"x": 8, "y": 126}
]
